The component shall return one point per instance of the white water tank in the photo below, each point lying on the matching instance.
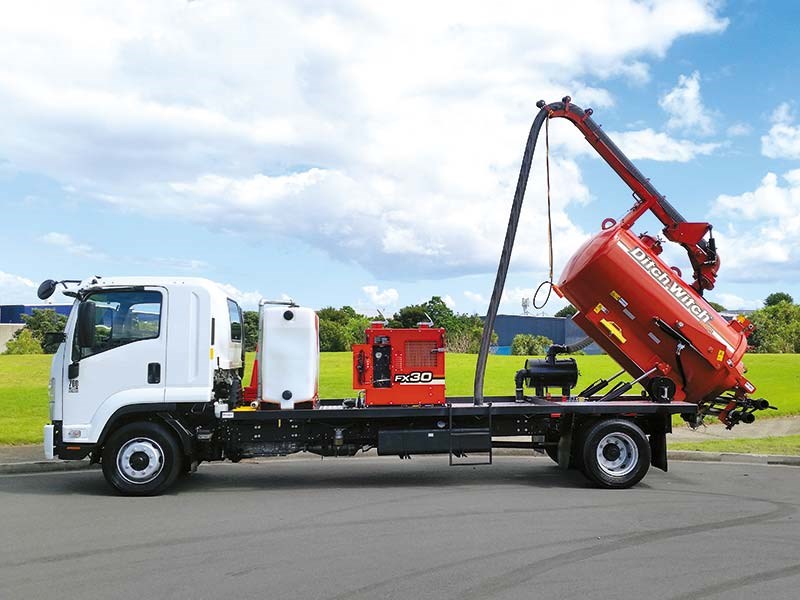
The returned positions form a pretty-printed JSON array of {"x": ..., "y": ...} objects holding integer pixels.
[{"x": 288, "y": 356}]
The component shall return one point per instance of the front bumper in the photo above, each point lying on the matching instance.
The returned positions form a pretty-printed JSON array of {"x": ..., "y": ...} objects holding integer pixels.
[
  {"x": 49, "y": 441},
  {"x": 55, "y": 448}
]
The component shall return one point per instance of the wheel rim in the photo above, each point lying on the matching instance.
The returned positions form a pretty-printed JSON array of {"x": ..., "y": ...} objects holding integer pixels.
[
  {"x": 617, "y": 454},
  {"x": 140, "y": 460}
]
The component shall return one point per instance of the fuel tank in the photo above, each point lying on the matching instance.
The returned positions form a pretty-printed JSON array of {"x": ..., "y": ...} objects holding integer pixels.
[{"x": 640, "y": 311}]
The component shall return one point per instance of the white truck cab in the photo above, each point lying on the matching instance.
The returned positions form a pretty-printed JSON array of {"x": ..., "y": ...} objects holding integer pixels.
[{"x": 131, "y": 342}]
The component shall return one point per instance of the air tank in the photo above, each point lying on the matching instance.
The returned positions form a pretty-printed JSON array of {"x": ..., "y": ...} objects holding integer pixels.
[{"x": 640, "y": 311}]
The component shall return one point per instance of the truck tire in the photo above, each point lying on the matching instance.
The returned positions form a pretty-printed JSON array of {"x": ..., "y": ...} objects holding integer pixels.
[
  {"x": 141, "y": 459},
  {"x": 615, "y": 453}
]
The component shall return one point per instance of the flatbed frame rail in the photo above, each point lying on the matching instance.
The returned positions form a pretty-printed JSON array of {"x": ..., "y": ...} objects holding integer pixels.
[{"x": 463, "y": 406}]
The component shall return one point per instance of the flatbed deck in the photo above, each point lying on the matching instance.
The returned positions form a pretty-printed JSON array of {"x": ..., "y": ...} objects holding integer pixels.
[{"x": 464, "y": 406}]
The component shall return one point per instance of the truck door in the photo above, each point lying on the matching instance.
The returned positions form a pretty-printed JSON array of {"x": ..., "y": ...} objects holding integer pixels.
[{"x": 116, "y": 356}]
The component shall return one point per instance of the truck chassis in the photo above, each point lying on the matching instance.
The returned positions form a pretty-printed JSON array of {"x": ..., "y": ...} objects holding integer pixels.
[{"x": 612, "y": 442}]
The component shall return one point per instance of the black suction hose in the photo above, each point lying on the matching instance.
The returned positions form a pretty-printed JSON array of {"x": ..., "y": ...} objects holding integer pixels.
[
  {"x": 505, "y": 255},
  {"x": 555, "y": 349}
]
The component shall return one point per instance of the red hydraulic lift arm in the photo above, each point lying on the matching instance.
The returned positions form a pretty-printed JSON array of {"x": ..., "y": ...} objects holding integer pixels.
[{"x": 702, "y": 252}]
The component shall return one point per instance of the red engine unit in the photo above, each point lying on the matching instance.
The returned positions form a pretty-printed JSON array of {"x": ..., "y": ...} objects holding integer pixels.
[{"x": 400, "y": 367}]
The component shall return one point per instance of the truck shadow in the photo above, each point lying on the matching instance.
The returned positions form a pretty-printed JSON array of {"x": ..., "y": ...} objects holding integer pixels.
[
  {"x": 322, "y": 476},
  {"x": 257, "y": 477}
]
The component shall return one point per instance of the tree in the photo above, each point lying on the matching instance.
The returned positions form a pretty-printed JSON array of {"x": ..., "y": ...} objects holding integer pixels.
[
  {"x": 340, "y": 328},
  {"x": 525, "y": 344},
  {"x": 24, "y": 343},
  {"x": 333, "y": 337},
  {"x": 776, "y": 298},
  {"x": 250, "y": 330},
  {"x": 567, "y": 311},
  {"x": 717, "y": 307},
  {"x": 777, "y": 328},
  {"x": 463, "y": 331},
  {"x": 409, "y": 316},
  {"x": 42, "y": 321},
  {"x": 467, "y": 338},
  {"x": 338, "y": 315}
]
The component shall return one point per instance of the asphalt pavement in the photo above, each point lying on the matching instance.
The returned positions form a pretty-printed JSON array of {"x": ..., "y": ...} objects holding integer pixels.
[{"x": 369, "y": 528}]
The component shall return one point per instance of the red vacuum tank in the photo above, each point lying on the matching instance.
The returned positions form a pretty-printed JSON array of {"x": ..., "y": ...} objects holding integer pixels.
[{"x": 645, "y": 316}]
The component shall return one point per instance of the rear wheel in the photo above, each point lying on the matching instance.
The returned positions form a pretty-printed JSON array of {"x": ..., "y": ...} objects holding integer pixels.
[
  {"x": 615, "y": 453},
  {"x": 141, "y": 459}
]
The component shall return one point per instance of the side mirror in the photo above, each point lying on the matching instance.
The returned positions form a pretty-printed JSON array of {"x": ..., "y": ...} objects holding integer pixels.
[
  {"x": 86, "y": 324},
  {"x": 46, "y": 289}
]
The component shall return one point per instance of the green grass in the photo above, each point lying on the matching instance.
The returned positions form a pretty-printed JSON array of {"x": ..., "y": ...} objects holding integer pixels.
[
  {"x": 23, "y": 397},
  {"x": 23, "y": 384},
  {"x": 786, "y": 445}
]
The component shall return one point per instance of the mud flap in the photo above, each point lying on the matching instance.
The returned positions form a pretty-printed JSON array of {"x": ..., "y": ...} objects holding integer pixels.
[
  {"x": 565, "y": 442},
  {"x": 658, "y": 450},
  {"x": 661, "y": 425},
  {"x": 184, "y": 435}
]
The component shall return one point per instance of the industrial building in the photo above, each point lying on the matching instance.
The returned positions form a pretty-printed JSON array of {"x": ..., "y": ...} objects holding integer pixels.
[{"x": 559, "y": 329}]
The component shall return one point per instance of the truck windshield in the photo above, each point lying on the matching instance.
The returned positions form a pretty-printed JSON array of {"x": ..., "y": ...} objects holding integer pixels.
[{"x": 121, "y": 317}]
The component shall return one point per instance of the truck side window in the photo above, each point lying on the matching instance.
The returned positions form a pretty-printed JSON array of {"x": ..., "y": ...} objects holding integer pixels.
[
  {"x": 120, "y": 318},
  {"x": 236, "y": 321}
]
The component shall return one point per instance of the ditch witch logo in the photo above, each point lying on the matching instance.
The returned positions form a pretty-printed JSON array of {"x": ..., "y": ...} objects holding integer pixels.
[{"x": 673, "y": 287}]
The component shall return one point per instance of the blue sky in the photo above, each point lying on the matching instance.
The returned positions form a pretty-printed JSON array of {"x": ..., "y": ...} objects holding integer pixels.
[{"x": 363, "y": 154}]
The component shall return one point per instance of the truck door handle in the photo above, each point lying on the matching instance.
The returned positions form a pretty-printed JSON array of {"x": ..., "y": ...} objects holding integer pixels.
[{"x": 154, "y": 373}]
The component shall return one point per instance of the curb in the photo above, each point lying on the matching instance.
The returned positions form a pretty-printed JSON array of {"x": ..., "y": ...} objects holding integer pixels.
[
  {"x": 730, "y": 457},
  {"x": 45, "y": 466},
  {"x": 55, "y": 466}
]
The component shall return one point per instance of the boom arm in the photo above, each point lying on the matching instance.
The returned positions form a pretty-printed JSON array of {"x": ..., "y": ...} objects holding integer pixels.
[{"x": 702, "y": 252}]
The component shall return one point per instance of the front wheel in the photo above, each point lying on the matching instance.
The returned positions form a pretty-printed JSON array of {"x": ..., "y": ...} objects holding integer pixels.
[
  {"x": 141, "y": 459},
  {"x": 616, "y": 453}
]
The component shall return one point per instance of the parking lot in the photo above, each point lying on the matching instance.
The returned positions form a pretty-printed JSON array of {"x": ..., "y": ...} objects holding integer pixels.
[{"x": 384, "y": 528}]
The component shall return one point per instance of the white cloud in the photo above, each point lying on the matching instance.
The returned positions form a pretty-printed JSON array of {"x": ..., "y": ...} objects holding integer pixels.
[
  {"x": 761, "y": 231},
  {"x": 381, "y": 298},
  {"x": 652, "y": 145},
  {"x": 15, "y": 289},
  {"x": 247, "y": 300},
  {"x": 782, "y": 113},
  {"x": 365, "y": 219},
  {"x": 360, "y": 129},
  {"x": 685, "y": 107},
  {"x": 732, "y": 302},
  {"x": 476, "y": 298},
  {"x": 738, "y": 129},
  {"x": 783, "y": 138},
  {"x": 449, "y": 302},
  {"x": 66, "y": 243}
]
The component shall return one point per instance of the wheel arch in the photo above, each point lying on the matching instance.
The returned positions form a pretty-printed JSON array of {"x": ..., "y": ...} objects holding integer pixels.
[
  {"x": 163, "y": 413},
  {"x": 655, "y": 426}
]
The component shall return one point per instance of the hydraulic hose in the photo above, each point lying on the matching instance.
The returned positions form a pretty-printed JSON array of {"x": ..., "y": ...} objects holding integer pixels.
[
  {"x": 505, "y": 255},
  {"x": 555, "y": 349}
]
